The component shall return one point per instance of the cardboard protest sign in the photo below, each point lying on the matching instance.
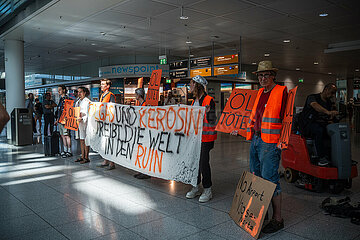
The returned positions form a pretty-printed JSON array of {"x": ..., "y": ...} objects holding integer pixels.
[
  {"x": 237, "y": 111},
  {"x": 67, "y": 104},
  {"x": 163, "y": 142},
  {"x": 152, "y": 96},
  {"x": 72, "y": 116},
  {"x": 287, "y": 121},
  {"x": 251, "y": 202}
]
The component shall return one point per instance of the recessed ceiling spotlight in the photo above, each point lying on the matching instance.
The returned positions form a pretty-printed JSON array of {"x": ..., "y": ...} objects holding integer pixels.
[
  {"x": 267, "y": 55},
  {"x": 297, "y": 69},
  {"x": 191, "y": 55},
  {"x": 182, "y": 17},
  {"x": 323, "y": 15},
  {"x": 254, "y": 63},
  {"x": 316, "y": 63},
  {"x": 188, "y": 42},
  {"x": 286, "y": 41},
  {"x": 329, "y": 73},
  {"x": 103, "y": 33},
  {"x": 94, "y": 44},
  {"x": 356, "y": 70}
]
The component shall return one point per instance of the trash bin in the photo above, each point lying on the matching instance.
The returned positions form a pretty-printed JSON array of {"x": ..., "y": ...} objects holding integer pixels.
[
  {"x": 21, "y": 127},
  {"x": 357, "y": 118}
]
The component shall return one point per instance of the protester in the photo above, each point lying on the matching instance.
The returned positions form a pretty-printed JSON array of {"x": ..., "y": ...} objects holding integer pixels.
[
  {"x": 64, "y": 133},
  {"x": 38, "y": 113},
  {"x": 107, "y": 97},
  {"x": 83, "y": 103},
  {"x": 264, "y": 131},
  {"x": 161, "y": 102},
  {"x": 314, "y": 118},
  {"x": 4, "y": 117},
  {"x": 29, "y": 104},
  {"x": 48, "y": 109},
  {"x": 209, "y": 135},
  {"x": 170, "y": 100},
  {"x": 140, "y": 100}
]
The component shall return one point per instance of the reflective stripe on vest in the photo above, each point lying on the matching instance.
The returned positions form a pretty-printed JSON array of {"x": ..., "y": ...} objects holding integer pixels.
[
  {"x": 208, "y": 134},
  {"x": 106, "y": 97},
  {"x": 271, "y": 123}
]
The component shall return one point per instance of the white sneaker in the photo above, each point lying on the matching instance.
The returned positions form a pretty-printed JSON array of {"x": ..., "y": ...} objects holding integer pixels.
[
  {"x": 193, "y": 192},
  {"x": 206, "y": 195}
]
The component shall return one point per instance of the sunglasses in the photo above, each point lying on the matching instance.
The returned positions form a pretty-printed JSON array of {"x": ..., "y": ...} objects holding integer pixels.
[{"x": 263, "y": 75}]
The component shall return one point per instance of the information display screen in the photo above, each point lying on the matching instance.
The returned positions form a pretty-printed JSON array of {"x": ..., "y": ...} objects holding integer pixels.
[
  {"x": 179, "y": 74},
  {"x": 227, "y": 59},
  {"x": 200, "y": 62},
  {"x": 205, "y": 72},
  {"x": 179, "y": 64},
  {"x": 226, "y": 70}
]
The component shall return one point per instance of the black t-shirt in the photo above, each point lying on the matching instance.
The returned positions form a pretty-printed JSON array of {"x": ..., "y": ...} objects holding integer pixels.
[
  {"x": 309, "y": 114},
  {"x": 39, "y": 108}
]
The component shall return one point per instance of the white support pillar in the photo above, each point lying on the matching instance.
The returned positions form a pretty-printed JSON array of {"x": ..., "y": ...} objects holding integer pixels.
[{"x": 14, "y": 77}]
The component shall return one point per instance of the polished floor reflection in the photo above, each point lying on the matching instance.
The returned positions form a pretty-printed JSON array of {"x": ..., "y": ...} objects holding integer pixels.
[{"x": 53, "y": 198}]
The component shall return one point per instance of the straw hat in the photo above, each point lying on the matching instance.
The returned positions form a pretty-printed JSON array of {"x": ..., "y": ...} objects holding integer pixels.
[{"x": 265, "y": 66}]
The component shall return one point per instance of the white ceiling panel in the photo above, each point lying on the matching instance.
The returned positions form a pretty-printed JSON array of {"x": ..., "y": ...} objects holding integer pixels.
[
  {"x": 253, "y": 15},
  {"x": 145, "y": 8},
  {"x": 218, "y": 8},
  {"x": 115, "y": 18}
]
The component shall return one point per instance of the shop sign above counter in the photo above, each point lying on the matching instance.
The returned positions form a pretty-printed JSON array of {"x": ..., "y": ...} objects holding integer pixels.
[{"x": 133, "y": 70}]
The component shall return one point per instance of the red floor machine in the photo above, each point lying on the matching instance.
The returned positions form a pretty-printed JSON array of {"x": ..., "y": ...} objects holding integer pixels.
[{"x": 300, "y": 162}]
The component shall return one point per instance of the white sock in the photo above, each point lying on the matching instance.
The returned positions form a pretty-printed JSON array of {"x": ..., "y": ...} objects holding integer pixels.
[{"x": 65, "y": 149}]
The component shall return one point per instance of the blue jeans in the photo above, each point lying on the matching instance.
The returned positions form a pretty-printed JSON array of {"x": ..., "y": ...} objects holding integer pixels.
[{"x": 264, "y": 161}]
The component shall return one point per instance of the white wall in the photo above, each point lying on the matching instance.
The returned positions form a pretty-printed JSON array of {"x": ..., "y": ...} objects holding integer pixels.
[{"x": 313, "y": 83}]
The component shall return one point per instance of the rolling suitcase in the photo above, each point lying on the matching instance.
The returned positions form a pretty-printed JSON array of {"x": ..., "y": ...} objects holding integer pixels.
[{"x": 51, "y": 144}]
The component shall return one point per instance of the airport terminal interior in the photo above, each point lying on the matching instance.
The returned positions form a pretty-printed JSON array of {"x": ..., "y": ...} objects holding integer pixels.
[{"x": 138, "y": 63}]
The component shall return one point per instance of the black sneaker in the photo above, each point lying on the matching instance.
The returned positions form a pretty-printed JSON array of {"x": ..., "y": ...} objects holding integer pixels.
[
  {"x": 69, "y": 154},
  {"x": 323, "y": 162},
  {"x": 273, "y": 226}
]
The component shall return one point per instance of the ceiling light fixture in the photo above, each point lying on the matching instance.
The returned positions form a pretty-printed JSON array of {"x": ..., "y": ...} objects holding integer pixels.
[
  {"x": 103, "y": 33},
  {"x": 297, "y": 69},
  {"x": 323, "y": 15},
  {"x": 254, "y": 63},
  {"x": 191, "y": 55},
  {"x": 182, "y": 17},
  {"x": 286, "y": 41},
  {"x": 356, "y": 70},
  {"x": 329, "y": 73},
  {"x": 188, "y": 41},
  {"x": 316, "y": 63},
  {"x": 94, "y": 44},
  {"x": 267, "y": 55}
]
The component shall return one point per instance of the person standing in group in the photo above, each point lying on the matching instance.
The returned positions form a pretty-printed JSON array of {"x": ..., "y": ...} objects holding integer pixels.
[
  {"x": 38, "y": 113},
  {"x": 83, "y": 103},
  {"x": 264, "y": 131},
  {"x": 29, "y": 104},
  {"x": 48, "y": 109},
  {"x": 140, "y": 101},
  {"x": 170, "y": 100},
  {"x": 64, "y": 133},
  {"x": 107, "y": 97},
  {"x": 209, "y": 135},
  {"x": 4, "y": 117}
]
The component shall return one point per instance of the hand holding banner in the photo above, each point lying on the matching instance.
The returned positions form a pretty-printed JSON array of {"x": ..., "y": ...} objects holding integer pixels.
[
  {"x": 152, "y": 96},
  {"x": 237, "y": 111}
]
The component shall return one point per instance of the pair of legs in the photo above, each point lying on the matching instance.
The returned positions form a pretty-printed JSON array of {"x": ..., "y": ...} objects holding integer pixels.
[
  {"x": 84, "y": 150},
  {"x": 264, "y": 162},
  {"x": 65, "y": 136},
  {"x": 38, "y": 119},
  {"x": 318, "y": 132},
  {"x": 48, "y": 121},
  {"x": 204, "y": 175}
]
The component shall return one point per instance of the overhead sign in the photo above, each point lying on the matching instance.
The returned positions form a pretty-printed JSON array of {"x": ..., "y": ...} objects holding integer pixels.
[
  {"x": 251, "y": 202},
  {"x": 237, "y": 111},
  {"x": 200, "y": 62},
  {"x": 117, "y": 86},
  {"x": 135, "y": 70},
  {"x": 227, "y": 59},
  {"x": 179, "y": 74},
  {"x": 163, "y": 142},
  {"x": 205, "y": 72},
  {"x": 226, "y": 70},
  {"x": 152, "y": 96},
  {"x": 179, "y": 64},
  {"x": 287, "y": 121}
]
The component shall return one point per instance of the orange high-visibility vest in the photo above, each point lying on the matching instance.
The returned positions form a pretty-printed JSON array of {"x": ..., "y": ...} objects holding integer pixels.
[
  {"x": 208, "y": 134},
  {"x": 271, "y": 122},
  {"x": 107, "y": 96}
]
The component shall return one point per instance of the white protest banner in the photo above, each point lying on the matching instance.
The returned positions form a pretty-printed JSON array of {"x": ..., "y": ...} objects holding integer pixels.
[{"x": 163, "y": 142}]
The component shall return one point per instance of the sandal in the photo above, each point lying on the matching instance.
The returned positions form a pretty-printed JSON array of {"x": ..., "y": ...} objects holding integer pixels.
[
  {"x": 85, "y": 160},
  {"x": 79, "y": 159}
]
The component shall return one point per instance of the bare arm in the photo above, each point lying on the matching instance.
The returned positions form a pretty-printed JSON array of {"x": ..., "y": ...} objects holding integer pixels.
[{"x": 321, "y": 109}]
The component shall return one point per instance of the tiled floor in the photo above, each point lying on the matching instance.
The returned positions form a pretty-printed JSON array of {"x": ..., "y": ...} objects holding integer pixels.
[{"x": 53, "y": 198}]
